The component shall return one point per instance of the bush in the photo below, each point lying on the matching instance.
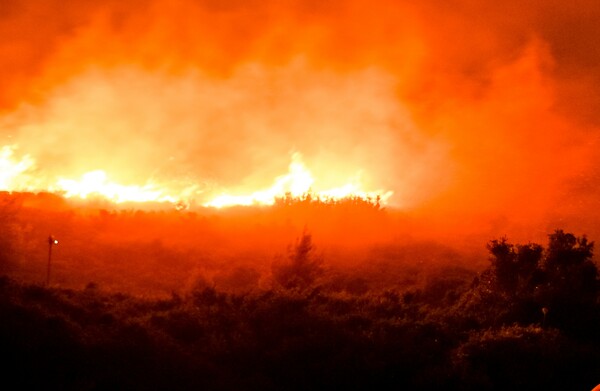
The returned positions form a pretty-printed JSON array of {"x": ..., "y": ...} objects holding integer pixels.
[{"x": 302, "y": 268}]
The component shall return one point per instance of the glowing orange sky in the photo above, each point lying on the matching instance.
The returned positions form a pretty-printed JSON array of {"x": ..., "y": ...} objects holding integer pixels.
[{"x": 458, "y": 107}]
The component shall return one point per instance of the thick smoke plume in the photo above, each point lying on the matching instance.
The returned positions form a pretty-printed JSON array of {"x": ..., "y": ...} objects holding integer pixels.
[{"x": 483, "y": 112}]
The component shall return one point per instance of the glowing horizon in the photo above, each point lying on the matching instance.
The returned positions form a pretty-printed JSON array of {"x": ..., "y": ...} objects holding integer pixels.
[
  {"x": 18, "y": 175},
  {"x": 199, "y": 100}
]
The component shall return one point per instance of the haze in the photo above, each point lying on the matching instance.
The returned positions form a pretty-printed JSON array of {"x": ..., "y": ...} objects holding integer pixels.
[{"x": 479, "y": 117}]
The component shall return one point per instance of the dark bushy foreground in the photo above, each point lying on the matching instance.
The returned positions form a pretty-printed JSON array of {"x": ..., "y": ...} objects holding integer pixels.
[{"x": 531, "y": 321}]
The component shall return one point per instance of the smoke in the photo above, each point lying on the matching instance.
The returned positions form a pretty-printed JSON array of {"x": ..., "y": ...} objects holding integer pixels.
[
  {"x": 460, "y": 108},
  {"x": 234, "y": 133}
]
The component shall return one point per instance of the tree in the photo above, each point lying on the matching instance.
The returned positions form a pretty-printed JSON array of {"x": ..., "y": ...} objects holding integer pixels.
[
  {"x": 504, "y": 264},
  {"x": 515, "y": 268},
  {"x": 562, "y": 281},
  {"x": 302, "y": 267},
  {"x": 566, "y": 251},
  {"x": 571, "y": 287}
]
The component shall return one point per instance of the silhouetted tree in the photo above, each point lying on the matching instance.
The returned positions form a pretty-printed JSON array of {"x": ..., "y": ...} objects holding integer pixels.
[
  {"x": 566, "y": 251},
  {"x": 561, "y": 280},
  {"x": 516, "y": 269},
  {"x": 504, "y": 264},
  {"x": 302, "y": 268},
  {"x": 571, "y": 287},
  {"x": 528, "y": 266}
]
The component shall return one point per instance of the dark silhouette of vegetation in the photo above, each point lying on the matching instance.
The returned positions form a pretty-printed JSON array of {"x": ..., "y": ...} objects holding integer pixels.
[
  {"x": 184, "y": 300},
  {"x": 373, "y": 203},
  {"x": 453, "y": 333},
  {"x": 571, "y": 289},
  {"x": 515, "y": 268},
  {"x": 558, "y": 285},
  {"x": 302, "y": 268}
]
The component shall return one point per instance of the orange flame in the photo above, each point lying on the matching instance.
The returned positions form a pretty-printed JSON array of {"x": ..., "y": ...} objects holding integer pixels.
[
  {"x": 12, "y": 171},
  {"x": 16, "y": 175},
  {"x": 298, "y": 183},
  {"x": 95, "y": 183}
]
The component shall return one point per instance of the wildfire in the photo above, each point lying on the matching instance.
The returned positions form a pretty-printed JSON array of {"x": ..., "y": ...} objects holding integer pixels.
[
  {"x": 17, "y": 175},
  {"x": 12, "y": 170},
  {"x": 95, "y": 183},
  {"x": 298, "y": 183}
]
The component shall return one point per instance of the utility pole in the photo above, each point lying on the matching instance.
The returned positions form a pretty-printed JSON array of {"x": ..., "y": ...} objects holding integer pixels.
[{"x": 51, "y": 242}]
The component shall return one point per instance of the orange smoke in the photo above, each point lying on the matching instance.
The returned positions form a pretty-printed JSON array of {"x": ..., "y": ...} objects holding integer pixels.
[
  {"x": 230, "y": 136},
  {"x": 461, "y": 108}
]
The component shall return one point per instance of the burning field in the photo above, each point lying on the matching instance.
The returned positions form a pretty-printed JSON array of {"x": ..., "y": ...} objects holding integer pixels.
[{"x": 287, "y": 194}]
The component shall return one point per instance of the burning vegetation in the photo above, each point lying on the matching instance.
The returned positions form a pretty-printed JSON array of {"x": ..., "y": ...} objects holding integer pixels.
[
  {"x": 292, "y": 195},
  {"x": 18, "y": 175}
]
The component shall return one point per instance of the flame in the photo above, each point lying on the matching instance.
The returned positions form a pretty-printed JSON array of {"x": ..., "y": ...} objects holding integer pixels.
[
  {"x": 16, "y": 175},
  {"x": 12, "y": 171},
  {"x": 95, "y": 183},
  {"x": 298, "y": 184}
]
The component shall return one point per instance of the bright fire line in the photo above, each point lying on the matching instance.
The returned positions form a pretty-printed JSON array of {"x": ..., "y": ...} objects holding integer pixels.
[
  {"x": 95, "y": 182},
  {"x": 20, "y": 175},
  {"x": 297, "y": 184}
]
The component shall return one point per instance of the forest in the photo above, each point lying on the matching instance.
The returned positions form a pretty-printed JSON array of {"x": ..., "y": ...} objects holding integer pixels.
[{"x": 302, "y": 295}]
